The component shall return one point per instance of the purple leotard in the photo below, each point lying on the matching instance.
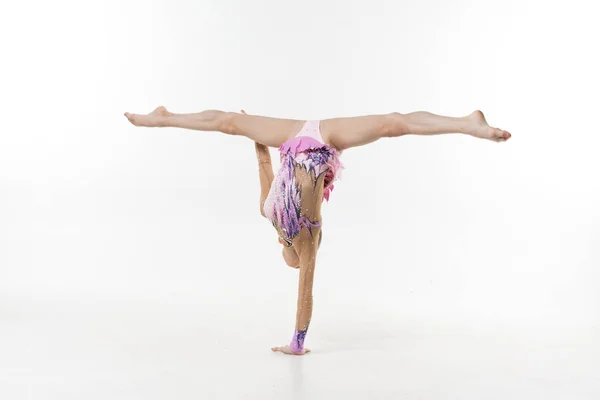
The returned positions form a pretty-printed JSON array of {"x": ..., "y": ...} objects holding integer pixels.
[{"x": 283, "y": 204}]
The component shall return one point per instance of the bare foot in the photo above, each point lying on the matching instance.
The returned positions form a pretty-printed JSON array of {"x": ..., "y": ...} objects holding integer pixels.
[
  {"x": 153, "y": 119},
  {"x": 478, "y": 127}
]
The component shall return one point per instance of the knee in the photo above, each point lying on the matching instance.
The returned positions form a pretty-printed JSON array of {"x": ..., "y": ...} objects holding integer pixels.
[
  {"x": 227, "y": 123},
  {"x": 395, "y": 125}
]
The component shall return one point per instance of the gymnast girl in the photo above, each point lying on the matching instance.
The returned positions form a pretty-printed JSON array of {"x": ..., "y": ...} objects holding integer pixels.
[{"x": 310, "y": 163}]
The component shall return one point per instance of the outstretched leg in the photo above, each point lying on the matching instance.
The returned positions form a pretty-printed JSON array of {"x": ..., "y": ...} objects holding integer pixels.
[
  {"x": 344, "y": 133},
  {"x": 272, "y": 132}
]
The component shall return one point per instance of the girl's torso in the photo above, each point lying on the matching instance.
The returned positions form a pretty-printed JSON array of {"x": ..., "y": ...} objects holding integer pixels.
[{"x": 308, "y": 151}]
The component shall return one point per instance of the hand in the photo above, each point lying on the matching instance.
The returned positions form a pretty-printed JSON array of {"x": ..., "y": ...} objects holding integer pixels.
[{"x": 287, "y": 350}]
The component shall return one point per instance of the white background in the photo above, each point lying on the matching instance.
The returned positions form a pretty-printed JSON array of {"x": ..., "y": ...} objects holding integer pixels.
[{"x": 134, "y": 262}]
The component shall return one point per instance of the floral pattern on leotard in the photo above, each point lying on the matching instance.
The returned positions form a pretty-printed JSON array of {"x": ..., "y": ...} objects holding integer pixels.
[{"x": 283, "y": 205}]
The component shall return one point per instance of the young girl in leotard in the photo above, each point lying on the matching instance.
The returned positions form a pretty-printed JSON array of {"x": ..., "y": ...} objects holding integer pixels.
[{"x": 310, "y": 162}]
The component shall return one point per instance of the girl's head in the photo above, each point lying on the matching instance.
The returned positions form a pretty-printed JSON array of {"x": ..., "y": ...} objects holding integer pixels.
[{"x": 289, "y": 254}]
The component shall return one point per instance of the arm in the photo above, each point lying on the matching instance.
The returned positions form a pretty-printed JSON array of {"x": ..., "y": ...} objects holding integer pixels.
[
  {"x": 306, "y": 245},
  {"x": 308, "y": 254},
  {"x": 265, "y": 171}
]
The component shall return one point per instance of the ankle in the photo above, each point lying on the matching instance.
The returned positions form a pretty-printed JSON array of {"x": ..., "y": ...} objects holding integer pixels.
[
  {"x": 166, "y": 121},
  {"x": 465, "y": 125}
]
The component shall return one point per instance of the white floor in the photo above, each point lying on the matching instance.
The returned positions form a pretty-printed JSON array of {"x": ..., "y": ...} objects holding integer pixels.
[{"x": 144, "y": 349}]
